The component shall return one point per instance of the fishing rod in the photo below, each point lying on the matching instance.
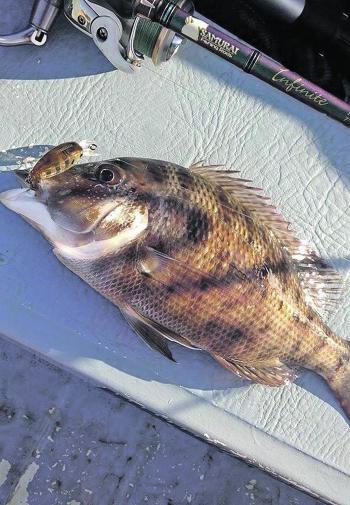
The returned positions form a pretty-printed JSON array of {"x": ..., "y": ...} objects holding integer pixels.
[
  {"x": 127, "y": 31},
  {"x": 170, "y": 15}
]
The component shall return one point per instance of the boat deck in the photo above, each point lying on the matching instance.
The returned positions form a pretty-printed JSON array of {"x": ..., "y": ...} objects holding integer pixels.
[{"x": 194, "y": 107}]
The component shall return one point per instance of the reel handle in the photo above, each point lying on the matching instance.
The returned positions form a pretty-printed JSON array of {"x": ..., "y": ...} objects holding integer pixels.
[{"x": 43, "y": 15}]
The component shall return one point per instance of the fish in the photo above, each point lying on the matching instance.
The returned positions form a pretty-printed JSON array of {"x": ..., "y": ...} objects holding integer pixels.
[{"x": 196, "y": 256}]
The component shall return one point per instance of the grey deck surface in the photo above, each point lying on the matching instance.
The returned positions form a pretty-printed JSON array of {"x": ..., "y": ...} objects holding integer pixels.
[
  {"x": 65, "y": 442},
  {"x": 195, "y": 107}
]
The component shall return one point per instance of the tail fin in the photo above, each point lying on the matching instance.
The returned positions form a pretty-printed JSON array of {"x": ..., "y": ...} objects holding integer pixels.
[{"x": 339, "y": 381}]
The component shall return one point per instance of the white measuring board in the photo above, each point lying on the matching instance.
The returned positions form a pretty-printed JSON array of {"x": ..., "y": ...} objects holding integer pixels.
[{"x": 194, "y": 107}]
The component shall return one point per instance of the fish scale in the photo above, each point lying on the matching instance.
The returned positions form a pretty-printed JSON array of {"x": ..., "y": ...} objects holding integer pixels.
[{"x": 194, "y": 256}]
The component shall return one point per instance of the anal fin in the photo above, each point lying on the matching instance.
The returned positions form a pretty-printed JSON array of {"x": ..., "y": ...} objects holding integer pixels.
[{"x": 270, "y": 373}]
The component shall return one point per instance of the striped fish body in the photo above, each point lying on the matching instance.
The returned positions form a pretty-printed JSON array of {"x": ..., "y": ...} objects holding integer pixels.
[{"x": 197, "y": 257}]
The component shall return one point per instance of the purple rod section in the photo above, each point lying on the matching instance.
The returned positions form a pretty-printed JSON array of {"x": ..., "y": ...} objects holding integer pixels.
[{"x": 251, "y": 60}]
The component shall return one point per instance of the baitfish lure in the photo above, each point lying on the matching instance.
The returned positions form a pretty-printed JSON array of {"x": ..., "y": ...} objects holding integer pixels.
[{"x": 58, "y": 160}]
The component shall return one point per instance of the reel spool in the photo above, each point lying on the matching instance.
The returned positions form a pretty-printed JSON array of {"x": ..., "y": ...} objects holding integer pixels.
[{"x": 156, "y": 42}]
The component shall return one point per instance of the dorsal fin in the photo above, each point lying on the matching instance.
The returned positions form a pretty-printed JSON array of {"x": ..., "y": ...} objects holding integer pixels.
[{"x": 321, "y": 283}]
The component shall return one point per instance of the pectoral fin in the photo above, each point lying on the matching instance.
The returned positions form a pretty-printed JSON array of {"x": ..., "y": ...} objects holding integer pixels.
[
  {"x": 176, "y": 274},
  {"x": 272, "y": 374}
]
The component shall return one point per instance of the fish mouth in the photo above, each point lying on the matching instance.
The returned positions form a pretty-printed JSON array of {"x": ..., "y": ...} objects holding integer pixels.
[
  {"x": 84, "y": 246},
  {"x": 24, "y": 202},
  {"x": 55, "y": 228}
]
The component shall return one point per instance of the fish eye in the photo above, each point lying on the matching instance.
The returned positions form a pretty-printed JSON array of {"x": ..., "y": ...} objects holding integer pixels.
[{"x": 107, "y": 175}]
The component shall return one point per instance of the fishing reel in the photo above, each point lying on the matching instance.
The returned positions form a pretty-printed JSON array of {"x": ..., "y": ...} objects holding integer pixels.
[
  {"x": 125, "y": 38},
  {"x": 43, "y": 15}
]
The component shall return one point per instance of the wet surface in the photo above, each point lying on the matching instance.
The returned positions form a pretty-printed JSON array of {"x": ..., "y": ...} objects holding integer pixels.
[{"x": 66, "y": 442}]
